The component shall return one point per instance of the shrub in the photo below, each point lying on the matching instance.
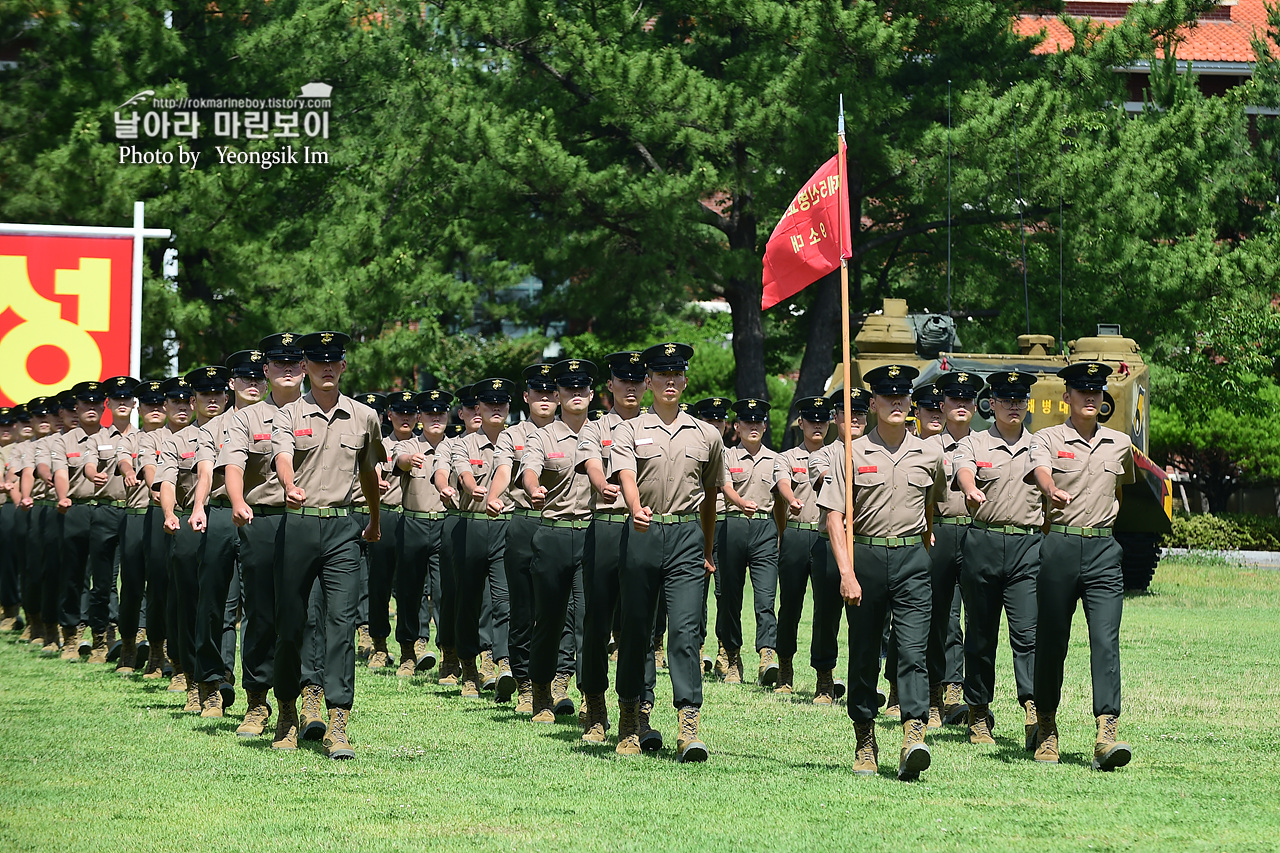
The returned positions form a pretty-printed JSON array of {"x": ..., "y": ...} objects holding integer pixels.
[{"x": 1224, "y": 532}]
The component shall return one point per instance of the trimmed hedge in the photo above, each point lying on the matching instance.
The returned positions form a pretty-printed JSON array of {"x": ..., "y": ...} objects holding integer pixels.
[{"x": 1224, "y": 532}]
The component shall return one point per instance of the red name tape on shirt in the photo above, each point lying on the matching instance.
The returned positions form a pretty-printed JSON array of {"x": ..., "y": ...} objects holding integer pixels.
[
  {"x": 868, "y": 469},
  {"x": 188, "y": 454},
  {"x": 1066, "y": 454},
  {"x": 302, "y": 432},
  {"x": 605, "y": 442},
  {"x": 983, "y": 464},
  {"x": 555, "y": 455},
  {"x": 799, "y": 470},
  {"x": 519, "y": 447},
  {"x": 735, "y": 470},
  {"x": 261, "y": 436},
  {"x": 72, "y": 455},
  {"x": 476, "y": 461}
]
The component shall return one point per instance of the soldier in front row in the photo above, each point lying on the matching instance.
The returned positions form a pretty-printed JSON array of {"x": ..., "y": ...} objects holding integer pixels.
[
  {"x": 1080, "y": 467},
  {"x": 897, "y": 479}
]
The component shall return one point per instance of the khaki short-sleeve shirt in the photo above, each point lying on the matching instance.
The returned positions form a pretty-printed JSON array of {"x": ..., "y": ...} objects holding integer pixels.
[
  {"x": 1000, "y": 470},
  {"x": 951, "y": 503},
  {"x": 509, "y": 450},
  {"x": 213, "y": 437},
  {"x": 793, "y": 467},
  {"x": 551, "y": 453},
  {"x": 248, "y": 447},
  {"x": 178, "y": 464},
  {"x": 1088, "y": 470},
  {"x": 474, "y": 453},
  {"x": 891, "y": 488},
  {"x": 418, "y": 492},
  {"x": 127, "y": 450},
  {"x": 674, "y": 463},
  {"x": 596, "y": 442},
  {"x": 329, "y": 449},
  {"x": 752, "y": 478}
]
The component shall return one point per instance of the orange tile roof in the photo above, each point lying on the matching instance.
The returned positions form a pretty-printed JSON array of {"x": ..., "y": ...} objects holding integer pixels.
[{"x": 1224, "y": 37}]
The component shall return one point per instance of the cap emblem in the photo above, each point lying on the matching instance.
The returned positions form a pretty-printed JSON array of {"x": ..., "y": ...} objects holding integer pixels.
[
  {"x": 255, "y": 356},
  {"x": 287, "y": 339},
  {"x": 1013, "y": 377},
  {"x": 435, "y": 395},
  {"x": 635, "y": 358},
  {"x": 751, "y": 405},
  {"x": 545, "y": 369},
  {"x": 669, "y": 349},
  {"x": 1093, "y": 369},
  {"x": 326, "y": 338},
  {"x": 894, "y": 371},
  {"x": 497, "y": 384},
  {"x": 573, "y": 365},
  {"x": 963, "y": 377}
]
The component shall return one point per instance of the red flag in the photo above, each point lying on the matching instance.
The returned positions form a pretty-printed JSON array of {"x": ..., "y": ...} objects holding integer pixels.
[{"x": 812, "y": 236}]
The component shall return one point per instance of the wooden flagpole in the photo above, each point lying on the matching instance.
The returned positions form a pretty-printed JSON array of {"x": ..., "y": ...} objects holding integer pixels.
[{"x": 844, "y": 342}]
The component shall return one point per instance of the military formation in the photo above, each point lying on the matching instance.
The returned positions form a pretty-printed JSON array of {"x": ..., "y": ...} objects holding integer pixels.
[{"x": 258, "y": 507}]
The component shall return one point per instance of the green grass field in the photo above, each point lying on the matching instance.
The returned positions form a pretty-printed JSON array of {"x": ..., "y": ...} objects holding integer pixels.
[{"x": 91, "y": 762}]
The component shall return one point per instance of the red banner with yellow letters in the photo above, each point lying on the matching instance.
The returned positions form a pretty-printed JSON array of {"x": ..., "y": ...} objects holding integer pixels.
[
  {"x": 812, "y": 236},
  {"x": 65, "y": 312}
]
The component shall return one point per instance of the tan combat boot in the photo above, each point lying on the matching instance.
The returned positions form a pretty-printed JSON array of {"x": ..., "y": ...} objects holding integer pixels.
[
  {"x": 448, "y": 667},
  {"x": 981, "y": 724},
  {"x": 506, "y": 686},
  {"x": 364, "y": 642},
  {"x": 311, "y": 724},
  {"x": 543, "y": 707},
  {"x": 70, "y": 644},
  {"x": 824, "y": 692},
  {"x": 29, "y": 630},
  {"x": 563, "y": 705},
  {"x": 935, "y": 706},
  {"x": 1109, "y": 753},
  {"x": 33, "y": 633},
  {"x": 195, "y": 695},
  {"x": 178, "y": 683},
  {"x": 52, "y": 644},
  {"x": 733, "y": 673},
  {"x": 650, "y": 738},
  {"x": 98, "y": 650},
  {"x": 659, "y": 654},
  {"x": 707, "y": 662},
  {"x": 892, "y": 709},
  {"x": 426, "y": 658},
  {"x": 379, "y": 657},
  {"x": 688, "y": 746},
  {"x": 628, "y": 732},
  {"x": 915, "y": 752},
  {"x": 1030, "y": 726},
  {"x": 141, "y": 649},
  {"x": 597, "y": 722},
  {"x": 1046, "y": 737},
  {"x": 786, "y": 676},
  {"x": 210, "y": 699},
  {"x": 9, "y": 619},
  {"x": 113, "y": 643},
  {"x": 767, "y": 672},
  {"x": 85, "y": 643},
  {"x": 524, "y": 696},
  {"x": 722, "y": 662},
  {"x": 954, "y": 709},
  {"x": 128, "y": 656},
  {"x": 155, "y": 663},
  {"x": 469, "y": 681},
  {"x": 286, "y": 736},
  {"x": 866, "y": 758},
  {"x": 256, "y": 715},
  {"x": 408, "y": 661},
  {"x": 335, "y": 742},
  {"x": 488, "y": 675}
]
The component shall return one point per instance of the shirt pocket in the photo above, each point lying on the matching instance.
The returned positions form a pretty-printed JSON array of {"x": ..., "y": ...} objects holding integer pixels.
[
  {"x": 868, "y": 479},
  {"x": 990, "y": 472},
  {"x": 919, "y": 478},
  {"x": 1113, "y": 467},
  {"x": 1067, "y": 465},
  {"x": 305, "y": 442}
]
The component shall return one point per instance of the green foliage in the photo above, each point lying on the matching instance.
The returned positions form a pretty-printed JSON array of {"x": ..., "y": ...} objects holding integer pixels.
[{"x": 1224, "y": 532}]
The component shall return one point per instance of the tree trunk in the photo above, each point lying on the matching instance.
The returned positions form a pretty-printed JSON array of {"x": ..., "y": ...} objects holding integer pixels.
[{"x": 743, "y": 296}]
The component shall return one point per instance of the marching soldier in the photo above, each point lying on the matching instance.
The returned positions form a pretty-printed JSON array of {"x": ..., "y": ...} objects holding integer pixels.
[
  {"x": 897, "y": 479},
  {"x": 378, "y": 566},
  {"x": 953, "y": 394},
  {"x": 1080, "y": 467},
  {"x": 604, "y": 548},
  {"x": 540, "y": 397},
  {"x": 48, "y": 524},
  {"x": 714, "y": 411},
  {"x": 176, "y": 480},
  {"x": 828, "y": 605},
  {"x": 549, "y": 468},
  {"x": 483, "y": 537},
  {"x": 10, "y": 596},
  {"x": 452, "y": 537},
  {"x": 34, "y": 505},
  {"x": 671, "y": 468},
  {"x": 141, "y": 525},
  {"x": 748, "y": 540},
  {"x": 218, "y": 577},
  {"x": 800, "y": 549},
  {"x": 1001, "y": 552},
  {"x": 258, "y": 511},
  {"x": 365, "y": 649},
  {"x": 423, "y": 526},
  {"x": 319, "y": 443},
  {"x": 92, "y": 503},
  {"x": 154, "y": 406}
]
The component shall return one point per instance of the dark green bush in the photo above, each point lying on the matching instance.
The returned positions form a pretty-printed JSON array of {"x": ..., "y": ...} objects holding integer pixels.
[{"x": 1224, "y": 532}]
